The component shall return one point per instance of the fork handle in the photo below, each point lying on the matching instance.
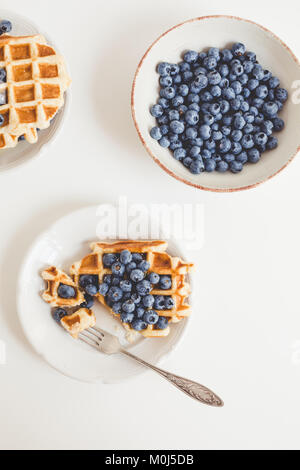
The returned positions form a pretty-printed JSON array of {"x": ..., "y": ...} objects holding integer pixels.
[{"x": 190, "y": 388}]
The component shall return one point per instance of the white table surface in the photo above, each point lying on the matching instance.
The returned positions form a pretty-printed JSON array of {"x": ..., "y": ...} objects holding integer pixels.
[{"x": 245, "y": 338}]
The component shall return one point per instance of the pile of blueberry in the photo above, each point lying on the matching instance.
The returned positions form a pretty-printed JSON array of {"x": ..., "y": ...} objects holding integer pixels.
[
  {"x": 127, "y": 291},
  {"x": 5, "y": 27},
  {"x": 218, "y": 109}
]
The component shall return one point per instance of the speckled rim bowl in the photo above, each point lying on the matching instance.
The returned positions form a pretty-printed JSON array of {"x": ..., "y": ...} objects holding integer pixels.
[
  {"x": 24, "y": 151},
  {"x": 218, "y": 31}
]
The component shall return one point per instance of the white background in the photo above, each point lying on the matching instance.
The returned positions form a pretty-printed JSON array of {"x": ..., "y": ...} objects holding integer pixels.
[{"x": 245, "y": 336}]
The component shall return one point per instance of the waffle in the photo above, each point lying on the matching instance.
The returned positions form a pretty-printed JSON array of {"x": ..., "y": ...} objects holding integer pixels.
[
  {"x": 35, "y": 86},
  {"x": 160, "y": 262},
  {"x": 78, "y": 321},
  {"x": 54, "y": 277},
  {"x": 10, "y": 141}
]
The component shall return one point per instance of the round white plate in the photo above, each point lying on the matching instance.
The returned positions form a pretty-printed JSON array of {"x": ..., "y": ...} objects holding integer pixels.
[
  {"x": 62, "y": 244},
  {"x": 24, "y": 151},
  {"x": 199, "y": 34}
]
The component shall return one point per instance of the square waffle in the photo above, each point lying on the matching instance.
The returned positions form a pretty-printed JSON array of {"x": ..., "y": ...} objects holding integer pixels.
[
  {"x": 36, "y": 79},
  {"x": 160, "y": 262},
  {"x": 54, "y": 277}
]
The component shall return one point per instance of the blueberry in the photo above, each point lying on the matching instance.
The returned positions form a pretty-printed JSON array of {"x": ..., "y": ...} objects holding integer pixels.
[
  {"x": 278, "y": 124},
  {"x": 272, "y": 143},
  {"x": 197, "y": 166},
  {"x": 205, "y": 132},
  {"x": 273, "y": 82},
  {"x": 237, "y": 69},
  {"x": 153, "y": 278},
  {"x": 261, "y": 91},
  {"x": 2, "y": 122},
  {"x": 224, "y": 106},
  {"x": 190, "y": 57},
  {"x": 162, "y": 323},
  {"x": 214, "y": 109},
  {"x": 214, "y": 52},
  {"x": 226, "y": 131},
  {"x": 210, "y": 165},
  {"x": 228, "y": 93},
  {"x": 192, "y": 117},
  {"x": 66, "y": 292},
  {"x": 258, "y": 72},
  {"x": 89, "y": 301},
  {"x": 103, "y": 289},
  {"x": 177, "y": 101},
  {"x": 206, "y": 97},
  {"x": 127, "y": 317},
  {"x": 193, "y": 98},
  {"x": 128, "y": 306},
  {"x": 210, "y": 63},
  {"x": 5, "y": 27},
  {"x": 226, "y": 55},
  {"x": 236, "y": 135},
  {"x": 208, "y": 119},
  {"x": 235, "y": 104},
  {"x": 253, "y": 84},
  {"x": 164, "y": 130},
  {"x": 225, "y": 145},
  {"x": 223, "y": 70},
  {"x": 157, "y": 110},
  {"x": 246, "y": 93},
  {"x": 151, "y": 317},
  {"x": 116, "y": 308},
  {"x": 239, "y": 122},
  {"x": 139, "y": 312},
  {"x": 253, "y": 155},
  {"x": 238, "y": 49},
  {"x": 177, "y": 127},
  {"x": 222, "y": 166},
  {"x": 169, "y": 303},
  {"x": 164, "y": 69},
  {"x": 260, "y": 138},
  {"x": 143, "y": 288},
  {"x": 144, "y": 266},
  {"x": 191, "y": 133},
  {"x": 126, "y": 286},
  {"x": 237, "y": 87},
  {"x": 165, "y": 282},
  {"x": 183, "y": 90},
  {"x": 249, "y": 117},
  {"x": 148, "y": 301},
  {"x": 187, "y": 76},
  {"x": 202, "y": 81},
  {"x": 229, "y": 157},
  {"x": 115, "y": 294},
  {"x": 58, "y": 314},
  {"x": 270, "y": 108},
  {"x": 125, "y": 257},
  {"x": 194, "y": 151},
  {"x": 156, "y": 133},
  {"x": 136, "y": 275},
  {"x": 173, "y": 115},
  {"x": 2, "y": 76},
  {"x": 165, "y": 81},
  {"x": 118, "y": 269},
  {"x": 242, "y": 157},
  {"x": 168, "y": 92},
  {"x": 91, "y": 289},
  {"x": 109, "y": 259},
  {"x": 217, "y": 135},
  {"x": 164, "y": 103},
  {"x": 247, "y": 141},
  {"x": 164, "y": 142},
  {"x": 281, "y": 94},
  {"x": 248, "y": 129},
  {"x": 179, "y": 154},
  {"x": 136, "y": 298},
  {"x": 251, "y": 56},
  {"x": 139, "y": 325},
  {"x": 236, "y": 167},
  {"x": 214, "y": 78}
]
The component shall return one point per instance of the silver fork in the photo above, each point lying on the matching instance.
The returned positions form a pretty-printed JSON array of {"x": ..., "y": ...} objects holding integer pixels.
[{"x": 110, "y": 344}]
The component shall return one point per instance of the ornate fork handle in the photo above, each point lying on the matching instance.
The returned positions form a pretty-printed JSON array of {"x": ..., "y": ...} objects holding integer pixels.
[{"x": 190, "y": 388}]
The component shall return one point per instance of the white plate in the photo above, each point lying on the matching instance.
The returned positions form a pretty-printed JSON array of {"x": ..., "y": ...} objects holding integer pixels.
[
  {"x": 62, "y": 244},
  {"x": 24, "y": 151},
  {"x": 199, "y": 34}
]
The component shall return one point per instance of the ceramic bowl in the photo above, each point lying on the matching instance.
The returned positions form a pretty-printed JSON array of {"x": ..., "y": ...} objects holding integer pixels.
[{"x": 219, "y": 31}]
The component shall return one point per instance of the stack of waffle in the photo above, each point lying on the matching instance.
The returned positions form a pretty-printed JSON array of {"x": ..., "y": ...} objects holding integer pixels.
[{"x": 32, "y": 90}]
